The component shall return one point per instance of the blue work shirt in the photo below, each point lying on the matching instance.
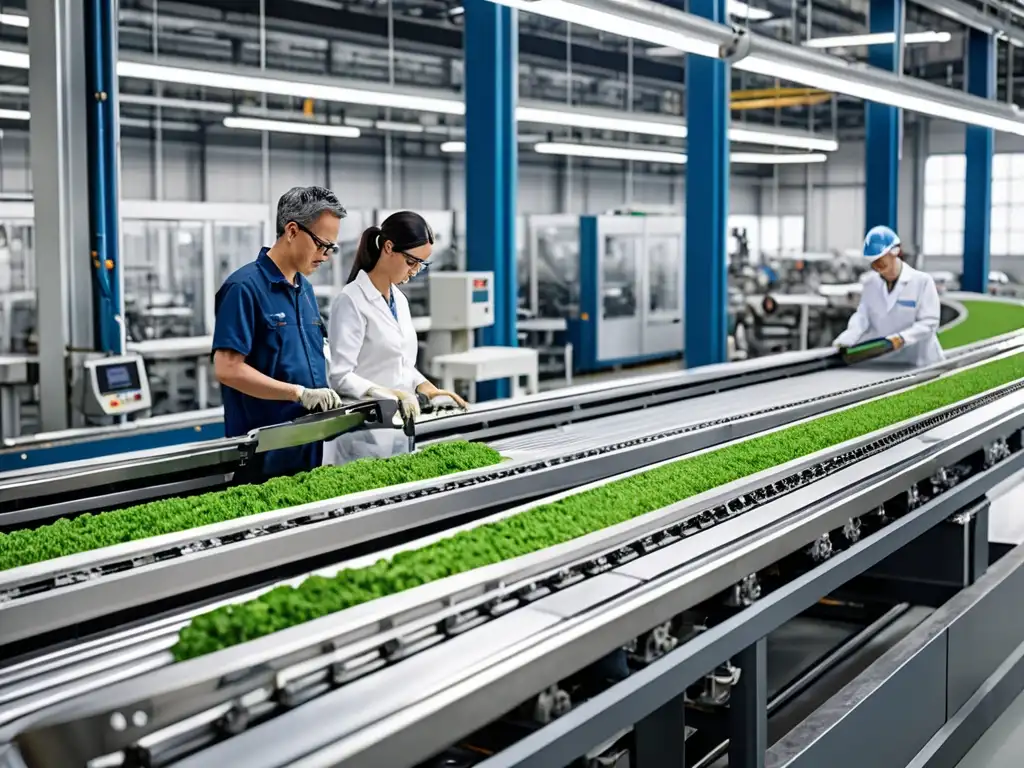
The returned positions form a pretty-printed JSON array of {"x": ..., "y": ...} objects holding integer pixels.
[{"x": 277, "y": 326}]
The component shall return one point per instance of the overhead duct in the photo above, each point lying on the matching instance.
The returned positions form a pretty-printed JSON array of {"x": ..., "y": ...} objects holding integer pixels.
[{"x": 662, "y": 25}]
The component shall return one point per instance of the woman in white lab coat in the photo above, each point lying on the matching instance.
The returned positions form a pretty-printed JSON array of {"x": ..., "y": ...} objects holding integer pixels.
[
  {"x": 898, "y": 303},
  {"x": 372, "y": 339}
]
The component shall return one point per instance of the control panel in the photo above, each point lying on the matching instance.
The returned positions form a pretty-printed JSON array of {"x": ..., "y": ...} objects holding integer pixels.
[
  {"x": 461, "y": 301},
  {"x": 113, "y": 386}
]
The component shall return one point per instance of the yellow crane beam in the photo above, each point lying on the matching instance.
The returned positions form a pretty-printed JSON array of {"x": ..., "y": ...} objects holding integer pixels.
[
  {"x": 765, "y": 93},
  {"x": 782, "y": 101}
]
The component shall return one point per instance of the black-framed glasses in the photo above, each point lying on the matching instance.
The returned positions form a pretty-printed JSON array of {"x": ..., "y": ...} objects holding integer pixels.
[
  {"x": 328, "y": 248},
  {"x": 414, "y": 262}
]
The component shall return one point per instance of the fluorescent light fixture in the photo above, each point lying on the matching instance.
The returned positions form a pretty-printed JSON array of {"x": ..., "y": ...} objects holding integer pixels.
[
  {"x": 13, "y": 59},
  {"x": 747, "y": 135},
  {"x": 269, "y": 85},
  {"x": 14, "y": 20},
  {"x": 743, "y": 11},
  {"x": 393, "y": 125},
  {"x": 14, "y": 114},
  {"x": 285, "y": 126},
  {"x": 857, "y": 81},
  {"x": 649, "y": 31},
  {"x": 878, "y": 38},
  {"x": 650, "y": 126},
  {"x": 453, "y": 147},
  {"x": 669, "y": 129},
  {"x": 672, "y": 130},
  {"x": 768, "y": 158},
  {"x": 609, "y": 153},
  {"x": 671, "y": 158}
]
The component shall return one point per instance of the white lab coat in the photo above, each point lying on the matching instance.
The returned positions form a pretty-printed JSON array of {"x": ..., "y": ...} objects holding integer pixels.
[
  {"x": 911, "y": 310},
  {"x": 370, "y": 348}
]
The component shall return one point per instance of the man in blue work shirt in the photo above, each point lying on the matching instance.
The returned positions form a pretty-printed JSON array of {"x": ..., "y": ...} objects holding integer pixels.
[{"x": 268, "y": 343}]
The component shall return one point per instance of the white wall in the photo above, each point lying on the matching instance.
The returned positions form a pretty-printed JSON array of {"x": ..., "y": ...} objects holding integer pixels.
[{"x": 832, "y": 196}]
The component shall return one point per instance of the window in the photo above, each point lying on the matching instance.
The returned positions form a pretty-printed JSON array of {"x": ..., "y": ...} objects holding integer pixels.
[
  {"x": 944, "y": 186},
  {"x": 944, "y": 205},
  {"x": 782, "y": 235}
]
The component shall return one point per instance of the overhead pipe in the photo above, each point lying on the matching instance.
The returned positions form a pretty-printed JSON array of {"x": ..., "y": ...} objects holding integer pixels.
[{"x": 747, "y": 51}]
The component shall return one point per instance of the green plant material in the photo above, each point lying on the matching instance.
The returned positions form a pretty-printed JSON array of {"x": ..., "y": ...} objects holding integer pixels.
[
  {"x": 985, "y": 320},
  {"x": 89, "y": 532},
  {"x": 574, "y": 516}
]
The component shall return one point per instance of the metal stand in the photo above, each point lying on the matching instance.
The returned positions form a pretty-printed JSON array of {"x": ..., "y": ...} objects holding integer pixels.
[
  {"x": 748, "y": 708},
  {"x": 931, "y": 569},
  {"x": 660, "y": 738}
]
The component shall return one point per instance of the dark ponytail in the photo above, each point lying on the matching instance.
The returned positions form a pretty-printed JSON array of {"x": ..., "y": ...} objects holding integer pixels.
[
  {"x": 367, "y": 254},
  {"x": 405, "y": 229}
]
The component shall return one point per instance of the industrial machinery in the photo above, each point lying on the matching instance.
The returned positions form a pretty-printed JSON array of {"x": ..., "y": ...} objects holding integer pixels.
[
  {"x": 631, "y": 291},
  {"x": 112, "y": 387},
  {"x": 555, "y": 654},
  {"x": 463, "y": 302}
]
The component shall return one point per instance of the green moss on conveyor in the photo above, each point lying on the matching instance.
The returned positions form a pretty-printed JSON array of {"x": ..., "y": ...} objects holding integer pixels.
[
  {"x": 985, "y": 320},
  {"x": 574, "y": 516},
  {"x": 89, "y": 532}
]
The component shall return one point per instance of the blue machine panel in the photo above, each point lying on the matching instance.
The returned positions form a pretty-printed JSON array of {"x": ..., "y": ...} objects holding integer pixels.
[{"x": 45, "y": 454}]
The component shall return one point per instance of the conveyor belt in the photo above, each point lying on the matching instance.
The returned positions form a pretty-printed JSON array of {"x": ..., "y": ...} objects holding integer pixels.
[
  {"x": 409, "y": 702},
  {"x": 60, "y": 593},
  {"x": 661, "y": 418}
]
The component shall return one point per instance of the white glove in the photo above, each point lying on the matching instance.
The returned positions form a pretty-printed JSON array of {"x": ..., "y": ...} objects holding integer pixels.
[
  {"x": 407, "y": 401},
  {"x": 319, "y": 400}
]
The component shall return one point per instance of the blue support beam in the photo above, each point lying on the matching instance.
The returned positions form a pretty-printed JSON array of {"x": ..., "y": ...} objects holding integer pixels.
[
  {"x": 979, "y": 146},
  {"x": 883, "y": 124},
  {"x": 104, "y": 200},
  {"x": 491, "y": 35},
  {"x": 705, "y": 300}
]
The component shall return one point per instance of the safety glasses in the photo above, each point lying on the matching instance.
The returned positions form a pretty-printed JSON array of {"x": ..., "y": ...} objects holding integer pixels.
[{"x": 328, "y": 248}]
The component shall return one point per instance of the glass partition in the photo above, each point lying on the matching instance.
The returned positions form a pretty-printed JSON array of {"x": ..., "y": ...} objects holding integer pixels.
[
  {"x": 619, "y": 276},
  {"x": 664, "y": 270}
]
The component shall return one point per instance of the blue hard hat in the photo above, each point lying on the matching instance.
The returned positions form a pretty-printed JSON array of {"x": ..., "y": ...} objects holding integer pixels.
[{"x": 880, "y": 241}]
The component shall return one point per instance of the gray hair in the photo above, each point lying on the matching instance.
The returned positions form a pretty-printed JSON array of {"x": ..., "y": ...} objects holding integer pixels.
[{"x": 304, "y": 205}]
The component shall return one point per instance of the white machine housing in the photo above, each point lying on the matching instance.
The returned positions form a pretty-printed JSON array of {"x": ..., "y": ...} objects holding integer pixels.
[
  {"x": 113, "y": 386},
  {"x": 461, "y": 301}
]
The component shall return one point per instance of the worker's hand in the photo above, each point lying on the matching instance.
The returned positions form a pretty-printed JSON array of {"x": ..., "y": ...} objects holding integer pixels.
[
  {"x": 319, "y": 400},
  {"x": 407, "y": 402},
  {"x": 455, "y": 398},
  {"x": 896, "y": 341}
]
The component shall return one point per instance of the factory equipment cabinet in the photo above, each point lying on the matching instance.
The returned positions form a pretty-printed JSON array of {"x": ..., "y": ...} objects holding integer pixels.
[{"x": 631, "y": 291}]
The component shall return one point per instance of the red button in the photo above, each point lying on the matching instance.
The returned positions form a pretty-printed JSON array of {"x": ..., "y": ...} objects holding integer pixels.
[
  {"x": 138, "y": 396},
  {"x": 114, "y": 403}
]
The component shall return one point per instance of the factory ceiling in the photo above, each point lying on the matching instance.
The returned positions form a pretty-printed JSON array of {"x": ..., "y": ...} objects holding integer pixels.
[{"x": 418, "y": 43}]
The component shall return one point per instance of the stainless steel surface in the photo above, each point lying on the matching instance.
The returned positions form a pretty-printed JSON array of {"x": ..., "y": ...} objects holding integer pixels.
[
  {"x": 696, "y": 569},
  {"x": 624, "y": 426},
  {"x": 309, "y": 429},
  {"x": 710, "y": 561},
  {"x": 210, "y": 559},
  {"x": 100, "y": 472}
]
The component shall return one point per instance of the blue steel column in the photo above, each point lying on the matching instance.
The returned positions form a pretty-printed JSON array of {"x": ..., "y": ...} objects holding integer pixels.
[
  {"x": 104, "y": 219},
  {"x": 979, "y": 145},
  {"x": 491, "y": 44},
  {"x": 705, "y": 298},
  {"x": 883, "y": 124}
]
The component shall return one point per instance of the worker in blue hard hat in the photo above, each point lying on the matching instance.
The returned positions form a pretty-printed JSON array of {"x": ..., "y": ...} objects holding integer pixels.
[{"x": 898, "y": 303}]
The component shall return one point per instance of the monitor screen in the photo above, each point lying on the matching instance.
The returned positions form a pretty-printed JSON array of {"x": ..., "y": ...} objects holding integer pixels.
[{"x": 117, "y": 377}]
